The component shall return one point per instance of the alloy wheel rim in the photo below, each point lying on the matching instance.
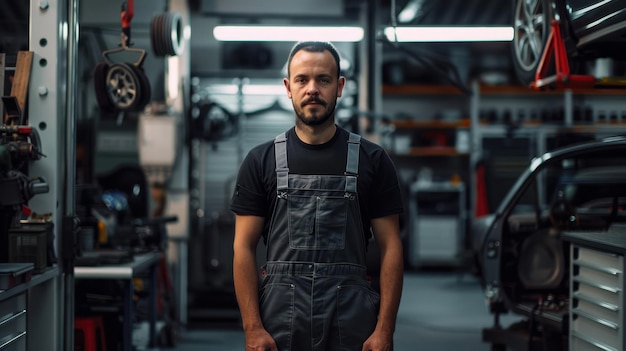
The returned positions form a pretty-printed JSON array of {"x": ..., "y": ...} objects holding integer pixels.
[{"x": 530, "y": 32}]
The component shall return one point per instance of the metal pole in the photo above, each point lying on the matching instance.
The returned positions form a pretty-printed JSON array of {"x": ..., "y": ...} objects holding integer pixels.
[
  {"x": 370, "y": 98},
  {"x": 373, "y": 49},
  {"x": 48, "y": 111},
  {"x": 69, "y": 183}
]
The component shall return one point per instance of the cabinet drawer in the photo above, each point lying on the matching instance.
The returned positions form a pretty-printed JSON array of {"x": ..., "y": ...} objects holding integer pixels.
[
  {"x": 585, "y": 343},
  {"x": 600, "y": 293},
  {"x": 13, "y": 342},
  {"x": 600, "y": 276},
  {"x": 13, "y": 304},
  {"x": 597, "y": 309},
  {"x": 13, "y": 323},
  {"x": 584, "y": 324},
  {"x": 598, "y": 258}
]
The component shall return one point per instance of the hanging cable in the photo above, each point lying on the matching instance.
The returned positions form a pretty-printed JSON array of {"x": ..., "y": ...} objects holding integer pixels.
[
  {"x": 442, "y": 68},
  {"x": 394, "y": 20}
]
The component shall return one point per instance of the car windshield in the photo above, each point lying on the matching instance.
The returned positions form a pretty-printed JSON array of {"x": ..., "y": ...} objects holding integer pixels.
[{"x": 584, "y": 185}]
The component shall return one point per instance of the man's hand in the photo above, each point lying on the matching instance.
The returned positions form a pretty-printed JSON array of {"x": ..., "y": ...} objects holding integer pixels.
[
  {"x": 260, "y": 340},
  {"x": 378, "y": 341}
]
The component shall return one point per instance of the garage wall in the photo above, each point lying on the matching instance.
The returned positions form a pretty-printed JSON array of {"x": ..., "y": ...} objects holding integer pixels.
[{"x": 211, "y": 290}]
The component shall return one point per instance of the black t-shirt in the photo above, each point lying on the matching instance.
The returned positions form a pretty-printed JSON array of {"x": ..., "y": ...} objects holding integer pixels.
[{"x": 378, "y": 188}]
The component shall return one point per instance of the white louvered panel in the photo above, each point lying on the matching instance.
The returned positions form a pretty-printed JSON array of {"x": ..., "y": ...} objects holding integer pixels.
[{"x": 597, "y": 300}]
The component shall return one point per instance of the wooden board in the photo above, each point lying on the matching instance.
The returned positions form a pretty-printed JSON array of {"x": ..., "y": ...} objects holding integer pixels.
[{"x": 21, "y": 78}]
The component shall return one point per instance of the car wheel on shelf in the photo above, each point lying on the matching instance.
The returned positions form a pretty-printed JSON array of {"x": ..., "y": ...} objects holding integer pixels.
[{"x": 531, "y": 25}]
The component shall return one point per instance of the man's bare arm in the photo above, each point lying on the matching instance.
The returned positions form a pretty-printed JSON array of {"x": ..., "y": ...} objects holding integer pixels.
[
  {"x": 248, "y": 231},
  {"x": 387, "y": 233}
]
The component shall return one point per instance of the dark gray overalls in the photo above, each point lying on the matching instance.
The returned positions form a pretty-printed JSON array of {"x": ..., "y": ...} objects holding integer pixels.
[{"x": 314, "y": 294}]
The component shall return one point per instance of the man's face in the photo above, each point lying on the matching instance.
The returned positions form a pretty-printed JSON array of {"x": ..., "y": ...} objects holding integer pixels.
[{"x": 313, "y": 86}]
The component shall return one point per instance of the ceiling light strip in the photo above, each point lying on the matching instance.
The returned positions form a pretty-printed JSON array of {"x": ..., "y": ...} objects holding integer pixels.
[
  {"x": 287, "y": 33},
  {"x": 449, "y": 34}
]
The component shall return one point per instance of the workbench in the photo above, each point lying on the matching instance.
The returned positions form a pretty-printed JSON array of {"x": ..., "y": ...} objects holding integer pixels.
[{"x": 145, "y": 262}]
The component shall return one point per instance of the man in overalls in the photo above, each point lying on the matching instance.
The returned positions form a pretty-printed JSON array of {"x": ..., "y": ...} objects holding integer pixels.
[{"x": 315, "y": 194}]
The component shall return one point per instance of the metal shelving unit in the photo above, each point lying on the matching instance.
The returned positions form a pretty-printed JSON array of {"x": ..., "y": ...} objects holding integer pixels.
[
  {"x": 511, "y": 125},
  {"x": 40, "y": 316}
]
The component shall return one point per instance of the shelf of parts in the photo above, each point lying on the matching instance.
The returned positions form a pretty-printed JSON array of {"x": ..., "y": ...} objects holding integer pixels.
[
  {"x": 486, "y": 89},
  {"x": 430, "y": 151},
  {"x": 430, "y": 124}
]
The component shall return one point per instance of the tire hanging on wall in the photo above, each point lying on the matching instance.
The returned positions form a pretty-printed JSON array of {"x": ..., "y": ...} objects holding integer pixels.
[
  {"x": 146, "y": 90},
  {"x": 166, "y": 34},
  {"x": 100, "y": 87},
  {"x": 123, "y": 86},
  {"x": 156, "y": 40}
]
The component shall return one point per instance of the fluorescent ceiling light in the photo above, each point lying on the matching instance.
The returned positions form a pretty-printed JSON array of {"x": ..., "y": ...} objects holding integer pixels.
[
  {"x": 250, "y": 89},
  {"x": 448, "y": 34},
  {"x": 287, "y": 33}
]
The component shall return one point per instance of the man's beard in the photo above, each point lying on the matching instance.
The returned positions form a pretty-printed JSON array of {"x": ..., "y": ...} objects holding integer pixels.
[{"x": 316, "y": 120}]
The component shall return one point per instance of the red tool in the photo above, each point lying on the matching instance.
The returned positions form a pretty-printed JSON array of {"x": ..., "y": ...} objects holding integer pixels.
[{"x": 128, "y": 11}]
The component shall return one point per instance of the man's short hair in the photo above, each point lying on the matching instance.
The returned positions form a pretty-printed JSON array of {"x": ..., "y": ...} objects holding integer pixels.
[{"x": 314, "y": 46}]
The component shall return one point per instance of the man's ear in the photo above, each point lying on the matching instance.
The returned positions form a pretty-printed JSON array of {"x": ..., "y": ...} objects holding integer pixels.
[
  {"x": 287, "y": 86},
  {"x": 340, "y": 84}
]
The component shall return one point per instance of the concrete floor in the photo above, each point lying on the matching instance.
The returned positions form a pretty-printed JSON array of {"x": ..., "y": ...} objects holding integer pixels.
[{"x": 440, "y": 311}]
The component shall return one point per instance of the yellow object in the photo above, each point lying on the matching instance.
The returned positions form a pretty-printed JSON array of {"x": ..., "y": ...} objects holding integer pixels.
[{"x": 102, "y": 233}]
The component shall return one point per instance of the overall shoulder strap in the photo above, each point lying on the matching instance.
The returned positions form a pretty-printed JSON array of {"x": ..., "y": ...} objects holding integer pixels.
[
  {"x": 280, "y": 153},
  {"x": 352, "y": 162}
]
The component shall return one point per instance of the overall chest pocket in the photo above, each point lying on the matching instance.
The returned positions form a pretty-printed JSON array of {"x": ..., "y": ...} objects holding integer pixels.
[{"x": 317, "y": 221}]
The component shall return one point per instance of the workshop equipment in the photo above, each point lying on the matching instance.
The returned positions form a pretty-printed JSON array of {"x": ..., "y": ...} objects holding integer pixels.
[
  {"x": 122, "y": 86},
  {"x": 19, "y": 145}
]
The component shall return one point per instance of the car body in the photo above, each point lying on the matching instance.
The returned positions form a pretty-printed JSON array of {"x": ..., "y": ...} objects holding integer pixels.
[
  {"x": 522, "y": 260},
  {"x": 590, "y": 29}
]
